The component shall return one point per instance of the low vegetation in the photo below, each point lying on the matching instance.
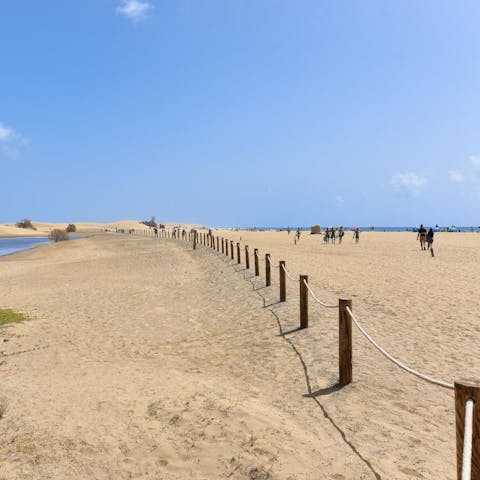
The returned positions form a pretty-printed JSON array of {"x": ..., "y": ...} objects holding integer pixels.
[
  {"x": 3, "y": 409},
  {"x": 25, "y": 223},
  {"x": 8, "y": 315},
  {"x": 58, "y": 235},
  {"x": 71, "y": 227},
  {"x": 150, "y": 223}
]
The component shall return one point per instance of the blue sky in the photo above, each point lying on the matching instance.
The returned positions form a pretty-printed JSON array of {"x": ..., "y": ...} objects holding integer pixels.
[{"x": 241, "y": 112}]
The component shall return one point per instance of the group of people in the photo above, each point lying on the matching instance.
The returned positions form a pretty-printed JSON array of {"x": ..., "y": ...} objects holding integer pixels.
[
  {"x": 332, "y": 233},
  {"x": 425, "y": 237}
]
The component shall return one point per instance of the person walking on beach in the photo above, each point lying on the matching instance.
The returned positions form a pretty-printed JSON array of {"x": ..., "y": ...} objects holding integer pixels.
[
  {"x": 356, "y": 234},
  {"x": 341, "y": 233},
  {"x": 430, "y": 239},
  {"x": 422, "y": 236},
  {"x": 332, "y": 234},
  {"x": 298, "y": 234}
]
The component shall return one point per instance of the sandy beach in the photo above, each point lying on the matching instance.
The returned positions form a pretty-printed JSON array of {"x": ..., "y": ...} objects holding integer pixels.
[{"x": 145, "y": 359}]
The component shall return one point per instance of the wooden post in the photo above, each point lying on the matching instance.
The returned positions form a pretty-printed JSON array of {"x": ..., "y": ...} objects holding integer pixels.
[
  {"x": 238, "y": 253},
  {"x": 218, "y": 244},
  {"x": 344, "y": 342},
  {"x": 283, "y": 286},
  {"x": 223, "y": 246},
  {"x": 226, "y": 247},
  {"x": 255, "y": 258},
  {"x": 247, "y": 258},
  {"x": 195, "y": 240},
  {"x": 466, "y": 390},
  {"x": 303, "y": 302},
  {"x": 231, "y": 249},
  {"x": 268, "y": 279}
]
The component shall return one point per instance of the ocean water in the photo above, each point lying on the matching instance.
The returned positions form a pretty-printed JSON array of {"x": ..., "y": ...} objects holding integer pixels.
[
  {"x": 379, "y": 229},
  {"x": 17, "y": 244}
]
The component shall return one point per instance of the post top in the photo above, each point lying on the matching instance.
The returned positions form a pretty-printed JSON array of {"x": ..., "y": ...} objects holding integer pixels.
[{"x": 470, "y": 382}]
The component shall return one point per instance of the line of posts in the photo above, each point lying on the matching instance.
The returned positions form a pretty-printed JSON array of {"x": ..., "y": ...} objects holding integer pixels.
[{"x": 464, "y": 390}]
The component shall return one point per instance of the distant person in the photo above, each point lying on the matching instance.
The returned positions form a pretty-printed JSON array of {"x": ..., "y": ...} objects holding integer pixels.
[
  {"x": 356, "y": 234},
  {"x": 332, "y": 235},
  {"x": 289, "y": 230},
  {"x": 326, "y": 236},
  {"x": 298, "y": 234},
  {"x": 429, "y": 238},
  {"x": 341, "y": 233},
  {"x": 422, "y": 236}
]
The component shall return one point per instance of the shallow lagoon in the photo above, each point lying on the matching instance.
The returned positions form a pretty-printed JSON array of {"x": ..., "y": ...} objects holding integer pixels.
[{"x": 17, "y": 244}]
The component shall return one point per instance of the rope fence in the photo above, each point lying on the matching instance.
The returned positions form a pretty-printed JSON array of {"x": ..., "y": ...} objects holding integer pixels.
[
  {"x": 467, "y": 392},
  {"x": 397, "y": 362}
]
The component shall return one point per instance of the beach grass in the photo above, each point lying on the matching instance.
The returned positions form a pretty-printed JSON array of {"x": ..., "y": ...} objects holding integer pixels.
[{"x": 8, "y": 315}]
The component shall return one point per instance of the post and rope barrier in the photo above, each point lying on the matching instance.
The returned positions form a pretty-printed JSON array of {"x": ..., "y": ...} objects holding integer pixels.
[
  {"x": 268, "y": 280},
  {"x": 283, "y": 286},
  {"x": 303, "y": 301},
  {"x": 467, "y": 393}
]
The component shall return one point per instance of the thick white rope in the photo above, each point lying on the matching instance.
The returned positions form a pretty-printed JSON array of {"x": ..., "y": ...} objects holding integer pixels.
[
  {"x": 293, "y": 279},
  {"x": 467, "y": 440},
  {"x": 270, "y": 261},
  {"x": 441, "y": 383},
  {"x": 326, "y": 305}
]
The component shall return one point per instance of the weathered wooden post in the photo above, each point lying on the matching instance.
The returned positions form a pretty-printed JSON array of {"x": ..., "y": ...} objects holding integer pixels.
[
  {"x": 195, "y": 240},
  {"x": 255, "y": 259},
  {"x": 268, "y": 280},
  {"x": 283, "y": 285},
  {"x": 231, "y": 249},
  {"x": 468, "y": 391},
  {"x": 218, "y": 244},
  {"x": 344, "y": 342},
  {"x": 238, "y": 253},
  {"x": 303, "y": 301},
  {"x": 226, "y": 247},
  {"x": 223, "y": 246},
  {"x": 247, "y": 258}
]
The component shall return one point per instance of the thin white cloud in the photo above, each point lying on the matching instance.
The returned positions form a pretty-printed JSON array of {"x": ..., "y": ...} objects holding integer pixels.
[
  {"x": 408, "y": 183},
  {"x": 10, "y": 142},
  {"x": 457, "y": 177},
  {"x": 339, "y": 199},
  {"x": 475, "y": 160},
  {"x": 134, "y": 10}
]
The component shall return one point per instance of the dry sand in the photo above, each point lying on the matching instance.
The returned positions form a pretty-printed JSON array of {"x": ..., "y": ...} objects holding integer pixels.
[{"x": 148, "y": 360}]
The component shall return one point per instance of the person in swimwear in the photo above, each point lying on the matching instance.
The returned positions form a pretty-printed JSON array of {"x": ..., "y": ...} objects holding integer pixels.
[
  {"x": 422, "y": 236},
  {"x": 429, "y": 239}
]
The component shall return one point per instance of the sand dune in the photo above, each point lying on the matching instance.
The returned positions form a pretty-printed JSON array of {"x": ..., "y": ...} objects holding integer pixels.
[
  {"x": 146, "y": 359},
  {"x": 44, "y": 228}
]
